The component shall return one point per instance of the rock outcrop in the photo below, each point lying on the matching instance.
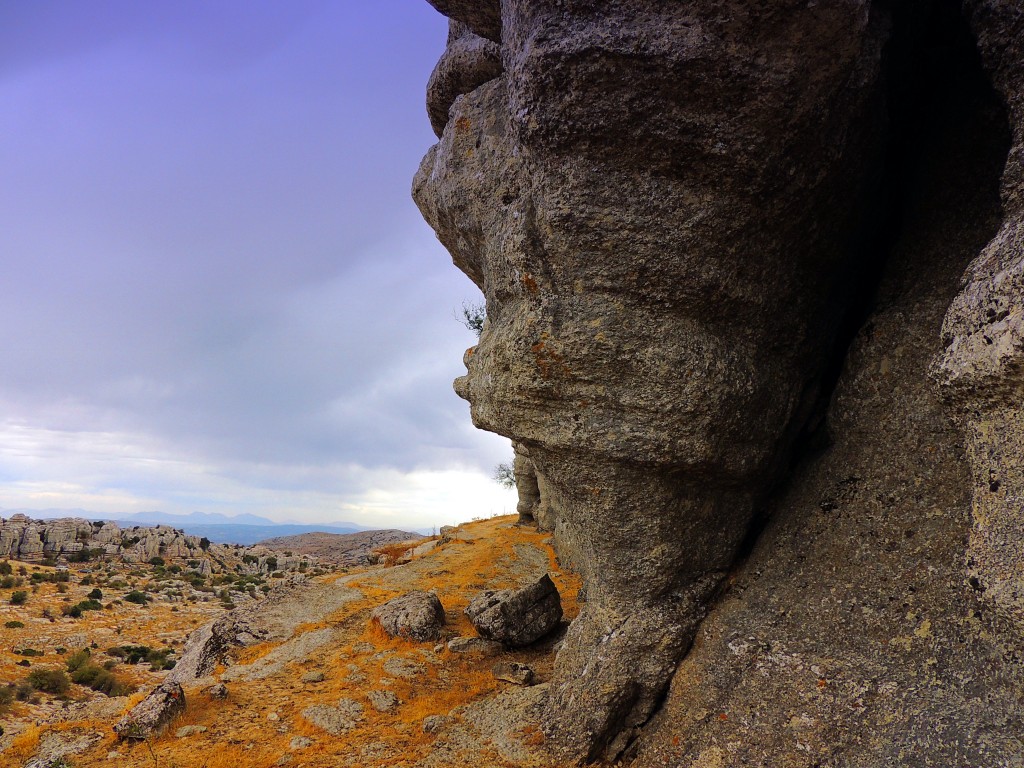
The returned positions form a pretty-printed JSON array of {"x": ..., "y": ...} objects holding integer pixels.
[
  {"x": 517, "y": 617},
  {"x": 153, "y": 714},
  {"x": 416, "y": 615},
  {"x": 716, "y": 242},
  {"x": 22, "y": 538}
]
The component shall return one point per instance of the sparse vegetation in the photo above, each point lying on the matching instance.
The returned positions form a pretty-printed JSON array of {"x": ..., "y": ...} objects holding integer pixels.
[
  {"x": 137, "y": 597},
  {"x": 504, "y": 475},
  {"x": 473, "y": 317},
  {"x": 19, "y": 598}
]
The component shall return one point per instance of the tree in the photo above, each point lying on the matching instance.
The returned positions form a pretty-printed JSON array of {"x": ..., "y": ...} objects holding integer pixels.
[
  {"x": 504, "y": 475},
  {"x": 473, "y": 316},
  {"x": 204, "y": 543}
]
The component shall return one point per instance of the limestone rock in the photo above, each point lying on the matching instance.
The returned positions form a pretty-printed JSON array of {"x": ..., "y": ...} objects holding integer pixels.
[
  {"x": 517, "y": 617},
  {"x": 150, "y": 716},
  {"x": 416, "y": 615},
  {"x": 383, "y": 701},
  {"x": 335, "y": 720},
  {"x": 513, "y": 672},
  {"x": 716, "y": 242},
  {"x": 475, "y": 646}
]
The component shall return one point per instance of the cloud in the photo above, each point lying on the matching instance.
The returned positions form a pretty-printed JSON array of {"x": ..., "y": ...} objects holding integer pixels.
[{"x": 215, "y": 292}]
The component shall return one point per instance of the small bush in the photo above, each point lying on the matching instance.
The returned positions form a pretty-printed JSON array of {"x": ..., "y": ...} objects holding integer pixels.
[
  {"x": 19, "y": 598},
  {"x": 156, "y": 561},
  {"x": 96, "y": 594},
  {"x": 49, "y": 681},
  {"x": 14, "y": 624},
  {"x": 5, "y": 568},
  {"x": 139, "y": 598},
  {"x": 8, "y": 582},
  {"x": 100, "y": 679},
  {"x": 77, "y": 659},
  {"x": 6, "y": 698}
]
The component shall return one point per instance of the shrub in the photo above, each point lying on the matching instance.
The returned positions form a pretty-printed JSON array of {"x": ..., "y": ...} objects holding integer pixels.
[
  {"x": 139, "y": 598},
  {"x": 19, "y": 598},
  {"x": 49, "y": 681},
  {"x": 29, "y": 652},
  {"x": 24, "y": 663},
  {"x": 14, "y": 625},
  {"x": 7, "y": 582},
  {"x": 100, "y": 679},
  {"x": 86, "y": 581},
  {"x": 156, "y": 561},
  {"x": 77, "y": 659},
  {"x": 204, "y": 543},
  {"x": 6, "y": 698},
  {"x": 96, "y": 594},
  {"x": 5, "y": 568}
]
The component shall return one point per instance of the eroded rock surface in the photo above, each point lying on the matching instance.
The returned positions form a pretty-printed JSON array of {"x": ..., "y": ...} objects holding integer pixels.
[
  {"x": 153, "y": 714},
  {"x": 517, "y": 617},
  {"x": 664, "y": 274},
  {"x": 716, "y": 241},
  {"x": 417, "y": 615}
]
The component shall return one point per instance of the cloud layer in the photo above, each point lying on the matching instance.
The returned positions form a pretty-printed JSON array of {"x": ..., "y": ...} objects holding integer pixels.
[{"x": 215, "y": 292}]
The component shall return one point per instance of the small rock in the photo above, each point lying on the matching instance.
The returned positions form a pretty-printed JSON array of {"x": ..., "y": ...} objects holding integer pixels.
[
  {"x": 335, "y": 720},
  {"x": 151, "y": 715},
  {"x": 300, "y": 742},
  {"x": 273, "y": 717},
  {"x": 476, "y": 646},
  {"x": 190, "y": 730},
  {"x": 383, "y": 701},
  {"x": 513, "y": 672},
  {"x": 517, "y": 617},
  {"x": 416, "y": 615},
  {"x": 435, "y": 723},
  {"x": 404, "y": 668},
  {"x": 313, "y": 677},
  {"x": 364, "y": 647},
  {"x": 218, "y": 691}
]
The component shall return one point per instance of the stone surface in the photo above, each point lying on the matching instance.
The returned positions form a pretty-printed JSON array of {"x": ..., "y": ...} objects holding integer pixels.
[
  {"x": 513, "y": 672},
  {"x": 517, "y": 617},
  {"x": 313, "y": 677},
  {"x": 153, "y": 714},
  {"x": 335, "y": 720},
  {"x": 717, "y": 242},
  {"x": 383, "y": 701},
  {"x": 415, "y": 615},
  {"x": 475, "y": 646}
]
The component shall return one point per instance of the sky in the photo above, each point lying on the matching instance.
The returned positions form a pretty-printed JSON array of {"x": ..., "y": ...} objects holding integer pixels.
[{"x": 216, "y": 294}]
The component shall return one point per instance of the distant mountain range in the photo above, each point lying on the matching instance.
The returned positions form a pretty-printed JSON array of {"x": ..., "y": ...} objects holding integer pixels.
[{"x": 220, "y": 529}]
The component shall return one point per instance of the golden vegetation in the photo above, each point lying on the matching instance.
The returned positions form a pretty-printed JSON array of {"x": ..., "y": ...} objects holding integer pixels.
[{"x": 261, "y": 720}]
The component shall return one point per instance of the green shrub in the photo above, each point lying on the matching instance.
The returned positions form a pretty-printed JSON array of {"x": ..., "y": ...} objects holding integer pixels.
[
  {"x": 29, "y": 652},
  {"x": 19, "y": 598},
  {"x": 156, "y": 561},
  {"x": 8, "y": 582},
  {"x": 49, "y": 681},
  {"x": 77, "y": 659},
  {"x": 5, "y": 568},
  {"x": 100, "y": 679},
  {"x": 24, "y": 663},
  {"x": 14, "y": 624},
  {"x": 139, "y": 598},
  {"x": 6, "y": 698},
  {"x": 96, "y": 594}
]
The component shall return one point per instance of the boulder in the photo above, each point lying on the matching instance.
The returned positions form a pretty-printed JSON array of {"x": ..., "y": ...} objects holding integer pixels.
[
  {"x": 517, "y": 617},
  {"x": 152, "y": 715},
  {"x": 513, "y": 672},
  {"x": 416, "y": 616},
  {"x": 475, "y": 646}
]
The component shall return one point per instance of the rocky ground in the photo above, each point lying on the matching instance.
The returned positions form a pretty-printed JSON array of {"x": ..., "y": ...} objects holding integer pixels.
[
  {"x": 309, "y": 678},
  {"x": 347, "y": 549}
]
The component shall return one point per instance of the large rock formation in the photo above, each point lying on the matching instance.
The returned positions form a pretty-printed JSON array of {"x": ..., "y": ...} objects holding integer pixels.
[{"x": 680, "y": 214}]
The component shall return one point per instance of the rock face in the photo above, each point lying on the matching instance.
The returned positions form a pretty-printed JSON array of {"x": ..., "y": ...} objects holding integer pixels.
[
  {"x": 153, "y": 714},
  {"x": 416, "y": 615},
  {"x": 717, "y": 241},
  {"x": 517, "y": 617}
]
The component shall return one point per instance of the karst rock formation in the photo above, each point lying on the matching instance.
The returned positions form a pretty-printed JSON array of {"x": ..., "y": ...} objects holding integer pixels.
[{"x": 754, "y": 279}]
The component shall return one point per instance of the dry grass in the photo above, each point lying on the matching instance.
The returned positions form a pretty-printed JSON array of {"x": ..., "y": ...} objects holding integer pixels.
[{"x": 256, "y": 724}]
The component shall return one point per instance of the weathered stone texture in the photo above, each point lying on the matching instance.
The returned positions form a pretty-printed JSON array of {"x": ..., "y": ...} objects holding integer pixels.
[
  {"x": 415, "y": 615},
  {"x": 517, "y": 617},
  {"x": 680, "y": 214}
]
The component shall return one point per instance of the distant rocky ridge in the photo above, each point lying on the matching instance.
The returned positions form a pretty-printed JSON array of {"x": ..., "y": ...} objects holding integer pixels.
[
  {"x": 346, "y": 549},
  {"x": 22, "y": 538}
]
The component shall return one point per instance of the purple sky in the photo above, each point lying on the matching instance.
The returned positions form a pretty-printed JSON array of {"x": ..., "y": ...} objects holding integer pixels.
[{"x": 215, "y": 291}]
